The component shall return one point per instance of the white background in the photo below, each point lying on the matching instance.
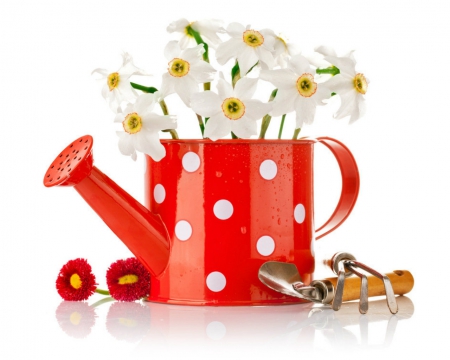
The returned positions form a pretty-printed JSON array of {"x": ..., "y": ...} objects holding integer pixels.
[{"x": 47, "y": 52}]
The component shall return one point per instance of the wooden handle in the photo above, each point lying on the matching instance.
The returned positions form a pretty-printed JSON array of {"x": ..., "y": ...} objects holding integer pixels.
[{"x": 402, "y": 282}]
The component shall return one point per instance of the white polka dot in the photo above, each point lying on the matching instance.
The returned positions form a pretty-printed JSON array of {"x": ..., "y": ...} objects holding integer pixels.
[
  {"x": 159, "y": 193},
  {"x": 216, "y": 330},
  {"x": 223, "y": 209},
  {"x": 299, "y": 213},
  {"x": 191, "y": 161},
  {"x": 183, "y": 230},
  {"x": 268, "y": 169},
  {"x": 265, "y": 245},
  {"x": 216, "y": 281}
]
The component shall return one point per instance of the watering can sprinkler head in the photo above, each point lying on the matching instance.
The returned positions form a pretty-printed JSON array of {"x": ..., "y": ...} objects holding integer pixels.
[{"x": 142, "y": 232}]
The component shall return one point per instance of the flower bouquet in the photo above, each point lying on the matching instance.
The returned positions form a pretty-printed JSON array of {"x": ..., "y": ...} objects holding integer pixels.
[{"x": 300, "y": 85}]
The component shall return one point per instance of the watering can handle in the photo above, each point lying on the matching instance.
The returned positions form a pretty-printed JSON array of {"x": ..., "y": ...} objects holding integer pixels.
[{"x": 350, "y": 185}]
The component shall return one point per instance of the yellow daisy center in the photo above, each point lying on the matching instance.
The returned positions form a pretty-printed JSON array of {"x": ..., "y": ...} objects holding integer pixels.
[
  {"x": 233, "y": 108},
  {"x": 360, "y": 83},
  {"x": 132, "y": 123},
  {"x": 306, "y": 86},
  {"x": 253, "y": 38},
  {"x": 128, "y": 279},
  {"x": 178, "y": 67},
  {"x": 75, "y": 281},
  {"x": 113, "y": 81}
]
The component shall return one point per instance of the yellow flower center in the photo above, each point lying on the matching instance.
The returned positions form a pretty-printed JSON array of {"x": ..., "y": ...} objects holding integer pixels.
[
  {"x": 233, "y": 108},
  {"x": 253, "y": 38},
  {"x": 132, "y": 123},
  {"x": 128, "y": 279},
  {"x": 360, "y": 83},
  {"x": 178, "y": 67},
  {"x": 306, "y": 86},
  {"x": 130, "y": 323},
  {"x": 75, "y": 318},
  {"x": 113, "y": 81},
  {"x": 75, "y": 281}
]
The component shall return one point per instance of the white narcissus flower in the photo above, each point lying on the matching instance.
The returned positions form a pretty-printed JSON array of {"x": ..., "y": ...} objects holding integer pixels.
[
  {"x": 117, "y": 88},
  {"x": 283, "y": 50},
  {"x": 231, "y": 110},
  {"x": 297, "y": 90},
  {"x": 141, "y": 127},
  {"x": 348, "y": 84},
  {"x": 186, "y": 70},
  {"x": 248, "y": 46},
  {"x": 207, "y": 29}
]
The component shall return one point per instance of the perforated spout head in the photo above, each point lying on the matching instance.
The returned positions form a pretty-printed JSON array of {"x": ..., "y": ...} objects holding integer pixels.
[{"x": 72, "y": 165}]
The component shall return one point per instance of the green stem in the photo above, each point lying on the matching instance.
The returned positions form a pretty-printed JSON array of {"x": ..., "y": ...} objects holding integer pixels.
[
  {"x": 102, "y": 292},
  {"x": 146, "y": 89},
  {"x": 165, "y": 111},
  {"x": 296, "y": 132},
  {"x": 332, "y": 70},
  {"x": 281, "y": 126},
  {"x": 233, "y": 136},
  {"x": 200, "y": 122},
  {"x": 266, "y": 119},
  {"x": 199, "y": 40},
  {"x": 236, "y": 73},
  {"x": 102, "y": 301}
]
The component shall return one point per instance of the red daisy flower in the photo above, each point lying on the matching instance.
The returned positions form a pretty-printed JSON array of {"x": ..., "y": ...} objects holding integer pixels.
[
  {"x": 128, "y": 280},
  {"x": 76, "y": 281}
]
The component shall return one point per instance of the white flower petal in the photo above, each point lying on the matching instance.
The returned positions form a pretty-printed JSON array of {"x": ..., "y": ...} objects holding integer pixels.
[
  {"x": 126, "y": 143},
  {"x": 325, "y": 50},
  {"x": 202, "y": 72},
  {"x": 172, "y": 50},
  {"x": 322, "y": 93},
  {"x": 345, "y": 65},
  {"x": 235, "y": 29},
  {"x": 167, "y": 85},
  {"x": 284, "y": 102},
  {"x": 102, "y": 72},
  {"x": 246, "y": 59},
  {"x": 281, "y": 78},
  {"x": 255, "y": 109},
  {"x": 228, "y": 50},
  {"x": 305, "y": 110},
  {"x": 193, "y": 54},
  {"x": 224, "y": 89},
  {"x": 185, "y": 87},
  {"x": 186, "y": 41},
  {"x": 348, "y": 104},
  {"x": 360, "y": 109},
  {"x": 244, "y": 127},
  {"x": 177, "y": 26},
  {"x": 218, "y": 126},
  {"x": 265, "y": 57},
  {"x": 149, "y": 143},
  {"x": 300, "y": 65},
  {"x": 340, "y": 84},
  {"x": 245, "y": 88},
  {"x": 144, "y": 103},
  {"x": 206, "y": 103},
  {"x": 120, "y": 117},
  {"x": 153, "y": 122}
]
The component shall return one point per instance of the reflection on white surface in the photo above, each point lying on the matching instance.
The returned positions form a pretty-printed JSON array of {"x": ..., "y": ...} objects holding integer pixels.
[{"x": 296, "y": 327}]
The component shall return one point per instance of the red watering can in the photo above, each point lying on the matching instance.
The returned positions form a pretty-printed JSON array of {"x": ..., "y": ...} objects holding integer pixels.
[{"x": 214, "y": 213}]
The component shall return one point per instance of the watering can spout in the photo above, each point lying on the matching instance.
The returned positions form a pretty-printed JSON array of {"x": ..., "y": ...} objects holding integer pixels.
[{"x": 142, "y": 232}]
